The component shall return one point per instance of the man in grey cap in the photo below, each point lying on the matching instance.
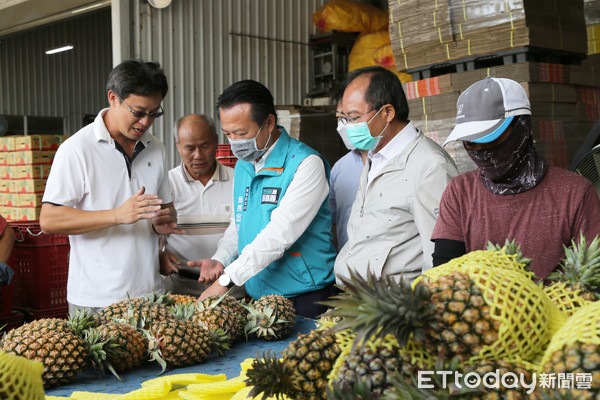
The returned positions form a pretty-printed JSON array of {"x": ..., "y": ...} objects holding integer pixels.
[{"x": 514, "y": 193}]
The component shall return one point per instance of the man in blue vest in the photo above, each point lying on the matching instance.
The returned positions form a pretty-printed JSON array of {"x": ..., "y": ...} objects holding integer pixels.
[{"x": 279, "y": 240}]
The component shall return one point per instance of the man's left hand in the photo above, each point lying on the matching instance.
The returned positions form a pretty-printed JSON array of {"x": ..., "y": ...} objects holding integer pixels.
[{"x": 213, "y": 290}]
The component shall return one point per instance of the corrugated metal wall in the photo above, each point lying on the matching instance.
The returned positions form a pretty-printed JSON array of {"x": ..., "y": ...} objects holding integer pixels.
[
  {"x": 69, "y": 84},
  {"x": 206, "y": 45}
]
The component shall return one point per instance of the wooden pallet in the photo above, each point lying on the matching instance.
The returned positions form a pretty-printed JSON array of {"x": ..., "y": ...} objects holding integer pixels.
[{"x": 507, "y": 57}]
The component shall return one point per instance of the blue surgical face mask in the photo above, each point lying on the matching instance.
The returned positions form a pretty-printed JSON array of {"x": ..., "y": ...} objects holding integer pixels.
[
  {"x": 246, "y": 149},
  {"x": 360, "y": 135},
  {"x": 341, "y": 128}
]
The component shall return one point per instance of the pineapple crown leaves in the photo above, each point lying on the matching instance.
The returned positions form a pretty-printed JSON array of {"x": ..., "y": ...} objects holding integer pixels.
[
  {"x": 581, "y": 265},
  {"x": 219, "y": 340},
  {"x": 262, "y": 322},
  {"x": 183, "y": 311},
  {"x": 376, "y": 307},
  {"x": 511, "y": 247},
  {"x": 271, "y": 376},
  {"x": 80, "y": 322},
  {"x": 100, "y": 350}
]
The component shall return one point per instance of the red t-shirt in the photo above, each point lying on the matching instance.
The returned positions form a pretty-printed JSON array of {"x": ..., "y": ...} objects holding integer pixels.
[{"x": 542, "y": 219}]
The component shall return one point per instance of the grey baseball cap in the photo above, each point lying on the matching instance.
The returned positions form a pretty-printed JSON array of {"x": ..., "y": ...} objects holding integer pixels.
[{"x": 486, "y": 108}]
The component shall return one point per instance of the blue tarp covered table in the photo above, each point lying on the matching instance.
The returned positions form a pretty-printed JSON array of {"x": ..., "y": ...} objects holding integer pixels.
[{"x": 228, "y": 364}]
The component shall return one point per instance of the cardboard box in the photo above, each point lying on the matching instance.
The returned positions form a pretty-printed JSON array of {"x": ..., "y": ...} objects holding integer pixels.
[
  {"x": 5, "y": 172},
  {"x": 38, "y": 142},
  {"x": 8, "y": 199},
  {"x": 26, "y": 157},
  {"x": 7, "y": 143},
  {"x": 8, "y": 213},
  {"x": 29, "y": 199},
  {"x": 27, "y": 185},
  {"x": 6, "y": 186},
  {"x": 27, "y": 213},
  {"x": 5, "y": 158},
  {"x": 30, "y": 171}
]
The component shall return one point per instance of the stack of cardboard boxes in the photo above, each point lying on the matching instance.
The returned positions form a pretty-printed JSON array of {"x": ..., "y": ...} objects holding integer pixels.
[
  {"x": 548, "y": 59},
  {"x": 24, "y": 167}
]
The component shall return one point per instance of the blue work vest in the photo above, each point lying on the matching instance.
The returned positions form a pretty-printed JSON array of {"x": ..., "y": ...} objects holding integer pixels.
[{"x": 307, "y": 265}]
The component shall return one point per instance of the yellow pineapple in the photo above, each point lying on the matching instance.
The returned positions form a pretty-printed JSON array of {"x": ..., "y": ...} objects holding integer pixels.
[
  {"x": 301, "y": 373},
  {"x": 130, "y": 344},
  {"x": 481, "y": 306}
]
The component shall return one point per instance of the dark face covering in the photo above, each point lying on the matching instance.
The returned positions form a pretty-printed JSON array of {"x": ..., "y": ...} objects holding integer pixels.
[{"x": 514, "y": 166}]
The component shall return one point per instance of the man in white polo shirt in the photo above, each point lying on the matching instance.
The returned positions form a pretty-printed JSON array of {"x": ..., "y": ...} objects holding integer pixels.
[
  {"x": 202, "y": 194},
  {"x": 108, "y": 190}
]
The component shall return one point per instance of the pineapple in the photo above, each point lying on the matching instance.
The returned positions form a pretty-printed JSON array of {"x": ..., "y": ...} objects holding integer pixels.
[
  {"x": 62, "y": 352},
  {"x": 302, "y": 371},
  {"x": 575, "y": 349},
  {"x": 214, "y": 315},
  {"x": 181, "y": 342},
  {"x": 131, "y": 345},
  {"x": 271, "y": 317},
  {"x": 21, "y": 378},
  {"x": 182, "y": 299},
  {"x": 368, "y": 365},
  {"x": 577, "y": 282},
  {"x": 482, "y": 305},
  {"x": 156, "y": 307},
  {"x": 235, "y": 306}
]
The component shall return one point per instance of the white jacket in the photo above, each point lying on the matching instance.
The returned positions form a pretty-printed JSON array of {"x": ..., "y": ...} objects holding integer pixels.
[{"x": 390, "y": 226}]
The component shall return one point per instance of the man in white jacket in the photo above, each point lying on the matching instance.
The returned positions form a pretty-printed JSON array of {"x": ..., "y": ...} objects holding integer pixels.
[{"x": 397, "y": 203}]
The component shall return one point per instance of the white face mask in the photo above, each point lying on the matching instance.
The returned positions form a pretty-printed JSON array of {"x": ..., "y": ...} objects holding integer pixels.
[
  {"x": 247, "y": 149},
  {"x": 341, "y": 128}
]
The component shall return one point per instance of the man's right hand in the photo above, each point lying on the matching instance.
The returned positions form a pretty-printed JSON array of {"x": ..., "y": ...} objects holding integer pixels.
[
  {"x": 139, "y": 206},
  {"x": 210, "y": 269}
]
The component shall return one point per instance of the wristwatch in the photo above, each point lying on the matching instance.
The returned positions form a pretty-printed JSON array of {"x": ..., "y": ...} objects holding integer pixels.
[{"x": 225, "y": 281}]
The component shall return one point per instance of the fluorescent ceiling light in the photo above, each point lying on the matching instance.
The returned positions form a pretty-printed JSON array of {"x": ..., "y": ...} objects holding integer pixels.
[{"x": 59, "y": 49}]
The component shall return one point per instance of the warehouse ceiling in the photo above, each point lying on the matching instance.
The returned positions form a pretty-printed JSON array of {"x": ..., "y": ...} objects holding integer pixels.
[{"x": 19, "y": 15}]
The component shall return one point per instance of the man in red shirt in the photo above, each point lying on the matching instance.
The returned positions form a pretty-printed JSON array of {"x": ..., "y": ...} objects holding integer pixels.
[{"x": 514, "y": 193}]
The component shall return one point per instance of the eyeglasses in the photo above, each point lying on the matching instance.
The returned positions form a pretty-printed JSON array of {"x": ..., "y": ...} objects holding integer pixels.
[
  {"x": 350, "y": 120},
  {"x": 141, "y": 114}
]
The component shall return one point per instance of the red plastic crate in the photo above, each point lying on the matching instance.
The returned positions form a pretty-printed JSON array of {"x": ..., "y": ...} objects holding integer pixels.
[
  {"x": 227, "y": 161},
  {"x": 58, "y": 312},
  {"x": 6, "y": 300},
  {"x": 13, "y": 320},
  {"x": 41, "y": 265},
  {"x": 224, "y": 150}
]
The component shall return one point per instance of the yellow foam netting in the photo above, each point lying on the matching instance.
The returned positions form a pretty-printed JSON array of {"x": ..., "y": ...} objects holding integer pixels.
[
  {"x": 583, "y": 327},
  {"x": 567, "y": 299},
  {"x": 527, "y": 317},
  {"x": 20, "y": 378},
  {"x": 349, "y": 16}
]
